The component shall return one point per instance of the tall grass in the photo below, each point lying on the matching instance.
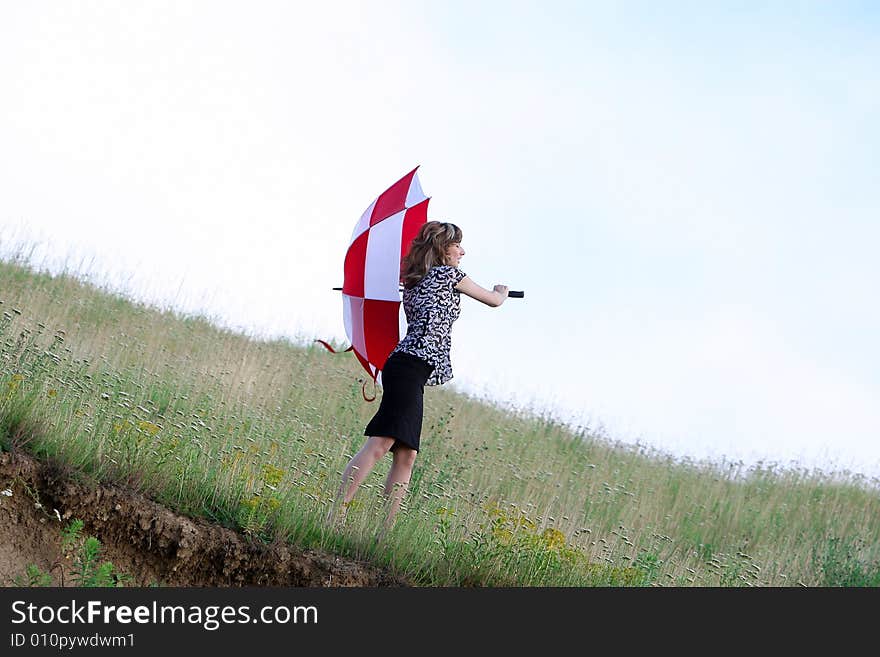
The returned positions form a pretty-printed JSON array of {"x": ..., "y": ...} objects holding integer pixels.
[{"x": 255, "y": 433}]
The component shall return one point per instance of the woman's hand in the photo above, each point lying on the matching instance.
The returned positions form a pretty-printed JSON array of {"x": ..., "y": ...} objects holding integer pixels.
[{"x": 501, "y": 290}]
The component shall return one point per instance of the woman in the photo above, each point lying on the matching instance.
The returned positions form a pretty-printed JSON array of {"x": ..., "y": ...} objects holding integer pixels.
[{"x": 432, "y": 282}]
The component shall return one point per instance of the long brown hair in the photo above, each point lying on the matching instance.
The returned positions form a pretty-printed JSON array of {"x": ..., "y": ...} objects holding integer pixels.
[{"x": 427, "y": 250}]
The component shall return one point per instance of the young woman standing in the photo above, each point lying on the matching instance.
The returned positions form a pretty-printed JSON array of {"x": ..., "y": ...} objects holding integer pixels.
[{"x": 432, "y": 283}]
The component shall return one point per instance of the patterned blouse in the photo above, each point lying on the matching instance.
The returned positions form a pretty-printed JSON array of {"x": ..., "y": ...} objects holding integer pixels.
[{"x": 431, "y": 307}]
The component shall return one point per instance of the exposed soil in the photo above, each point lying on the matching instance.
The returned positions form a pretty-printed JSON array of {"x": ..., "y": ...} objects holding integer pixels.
[{"x": 147, "y": 541}]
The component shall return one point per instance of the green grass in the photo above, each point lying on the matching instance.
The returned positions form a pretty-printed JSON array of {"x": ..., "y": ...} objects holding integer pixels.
[
  {"x": 86, "y": 568},
  {"x": 254, "y": 434}
]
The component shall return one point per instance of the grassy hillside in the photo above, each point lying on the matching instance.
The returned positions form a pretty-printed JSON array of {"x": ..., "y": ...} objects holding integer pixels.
[{"x": 254, "y": 435}]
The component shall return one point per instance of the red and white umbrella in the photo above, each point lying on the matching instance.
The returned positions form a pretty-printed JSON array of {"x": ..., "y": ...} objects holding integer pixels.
[{"x": 371, "y": 287}]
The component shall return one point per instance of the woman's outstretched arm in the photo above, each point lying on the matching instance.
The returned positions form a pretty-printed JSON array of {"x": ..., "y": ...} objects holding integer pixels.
[{"x": 494, "y": 297}]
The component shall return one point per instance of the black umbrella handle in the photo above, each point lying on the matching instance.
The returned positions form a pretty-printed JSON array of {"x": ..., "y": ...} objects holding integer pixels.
[{"x": 512, "y": 293}]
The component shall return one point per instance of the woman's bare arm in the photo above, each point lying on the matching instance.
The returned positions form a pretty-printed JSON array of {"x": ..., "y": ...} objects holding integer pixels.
[{"x": 494, "y": 297}]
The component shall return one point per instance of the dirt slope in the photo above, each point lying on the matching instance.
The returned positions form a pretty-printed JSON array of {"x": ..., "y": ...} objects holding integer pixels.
[{"x": 146, "y": 540}]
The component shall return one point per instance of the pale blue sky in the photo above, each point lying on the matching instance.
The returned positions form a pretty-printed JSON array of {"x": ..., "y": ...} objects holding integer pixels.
[{"x": 688, "y": 194}]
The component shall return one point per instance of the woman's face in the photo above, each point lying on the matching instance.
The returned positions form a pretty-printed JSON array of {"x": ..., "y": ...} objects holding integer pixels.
[{"x": 454, "y": 254}]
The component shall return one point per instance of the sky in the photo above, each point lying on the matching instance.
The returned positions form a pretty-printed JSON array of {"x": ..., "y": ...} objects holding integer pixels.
[{"x": 688, "y": 193}]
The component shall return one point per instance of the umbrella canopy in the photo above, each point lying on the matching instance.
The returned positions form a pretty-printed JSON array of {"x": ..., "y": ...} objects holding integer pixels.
[{"x": 371, "y": 287}]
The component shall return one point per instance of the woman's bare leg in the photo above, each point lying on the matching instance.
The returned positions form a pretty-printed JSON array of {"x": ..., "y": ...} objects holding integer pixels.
[
  {"x": 397, "y": 483},
  {"x": 357, "y": 470}
]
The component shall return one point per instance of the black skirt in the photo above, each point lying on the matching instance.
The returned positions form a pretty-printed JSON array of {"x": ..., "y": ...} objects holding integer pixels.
[{"x": 401, "y": 410}]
